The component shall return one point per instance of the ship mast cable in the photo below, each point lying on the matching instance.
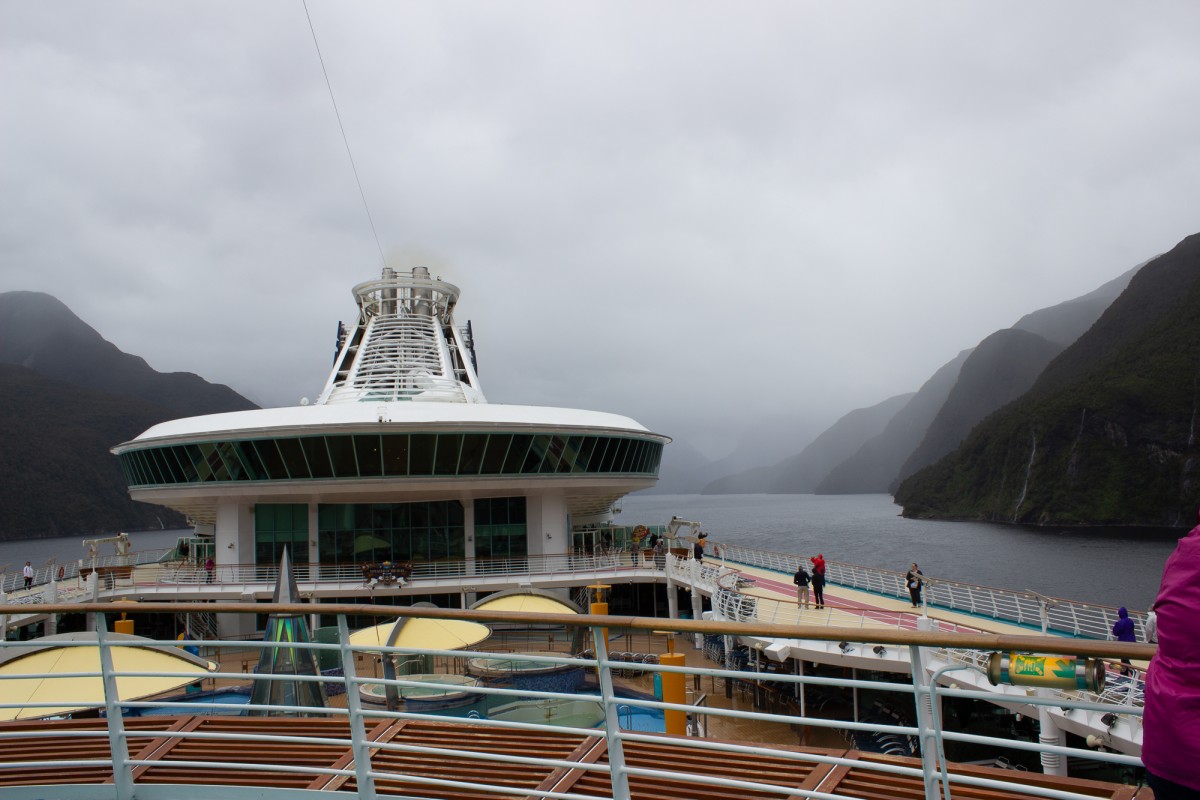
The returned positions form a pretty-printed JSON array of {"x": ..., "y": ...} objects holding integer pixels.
[{"x": 342, "y": 128}]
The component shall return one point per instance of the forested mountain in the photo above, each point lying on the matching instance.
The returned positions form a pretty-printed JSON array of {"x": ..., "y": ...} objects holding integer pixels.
[
  {"x": 801, "y": 473},
  {"x": 1001, "y": 369},
  {"x": 59, "y": 476},
  {"x": 1107, "y": 434},
  {"x": 69, "y": 396}
]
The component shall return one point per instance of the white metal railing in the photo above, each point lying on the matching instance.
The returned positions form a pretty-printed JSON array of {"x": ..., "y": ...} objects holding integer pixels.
[
  {"x": 1063, "y": 617},
  {"x": 1058, "y": 616},
  {"x": 373, "y": 760}
]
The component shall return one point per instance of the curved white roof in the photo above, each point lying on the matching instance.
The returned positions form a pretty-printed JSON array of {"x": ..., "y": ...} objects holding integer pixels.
[{"x": 396, "y": 416}]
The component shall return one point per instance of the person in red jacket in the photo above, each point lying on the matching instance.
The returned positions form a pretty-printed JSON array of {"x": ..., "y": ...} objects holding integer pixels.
[{"x": 1171, "y": 726}]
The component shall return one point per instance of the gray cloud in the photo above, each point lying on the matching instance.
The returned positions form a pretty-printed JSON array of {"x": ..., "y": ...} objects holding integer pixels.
[{"x": 709, "y": 216}]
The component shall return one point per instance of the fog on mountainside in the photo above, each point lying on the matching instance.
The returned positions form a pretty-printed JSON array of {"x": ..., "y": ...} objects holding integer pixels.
[
  {"x": 799, "y": 474},
  {"x": 1107, "y": 434},
  {"x": 39, "y": 332},
  {"x": 944, "y": 410},
  {"x": 69, "y": 396},
  {"x": 874, "y": 466}
]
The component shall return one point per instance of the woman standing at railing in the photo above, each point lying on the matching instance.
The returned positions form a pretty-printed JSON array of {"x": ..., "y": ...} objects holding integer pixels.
[
  {"x": 818, "y": 581},
  {"x": 914, "y": 579}
]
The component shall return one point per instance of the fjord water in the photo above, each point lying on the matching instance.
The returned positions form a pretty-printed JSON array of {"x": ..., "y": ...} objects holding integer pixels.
[{"x": 1112, "y": 566}]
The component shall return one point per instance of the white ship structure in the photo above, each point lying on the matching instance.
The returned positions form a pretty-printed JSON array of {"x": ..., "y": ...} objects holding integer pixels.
[{"x": 401, "y": 458}]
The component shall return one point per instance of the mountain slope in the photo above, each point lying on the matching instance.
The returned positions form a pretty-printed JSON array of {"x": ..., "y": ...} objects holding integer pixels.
[
  {"x": 800, "y": 474},
  {"x": 874, "y": 466},
  {"x": 38, "y": 332},
  {"x": 1000, "y": 370},
  {"x": 59, "y": 477},
  {"x": 68, "y": 396},
  {"x": 1107, "y": 433}
]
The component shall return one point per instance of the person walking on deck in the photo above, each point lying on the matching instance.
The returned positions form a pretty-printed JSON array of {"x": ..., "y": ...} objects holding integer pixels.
[
  {"x": 801, "y": 580},
  {"x": 27, "y": 573},
  {"x": 914, "y": 580},
  {"x": 818, "y": 583}
]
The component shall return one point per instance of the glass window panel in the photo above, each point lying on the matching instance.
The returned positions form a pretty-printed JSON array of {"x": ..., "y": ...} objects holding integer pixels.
[
  {"x": 497, "y": 450},
  {"x": 233, "y": 462},
  {"x": 634, "y": 461},
  {"x": 159, "y": 465},
  {"x": 584, "y": 456},
  {"x": 178, "y": 457},
  {"x": 422, "y": 447},
  {"x": 536, "y": 455},
  {"x": 341, "y": 456},
  {"x": 638, "y": 460},
  {"x": 554, "y": 449},
  {"x": 211, "y": 467},
  {"x": 395, "y": 454},
  {"x": 170, "y": 467},
  {"x": 448, "y": 447},
  {"x": 570, "y": 457},
  {"x": 293, "y": 458},
  {"x": 317, "y": 456},
  {"x": 622, "y": 457},
  {"x": 516, "y": 453},
  {"x": 268, "y": 456},
  {"x": 250, "y": 460},
  {"x": 471, "y": 456},
  {"x": 135, "y": 466},
  {"x": 370, "y": 458},
  {"x": 606, "y": 448},
  {"x": 192, "y": 456}
]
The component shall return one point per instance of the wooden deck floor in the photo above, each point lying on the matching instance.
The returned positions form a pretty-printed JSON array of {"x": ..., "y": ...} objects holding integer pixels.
[{"x": 480, "y": 754}]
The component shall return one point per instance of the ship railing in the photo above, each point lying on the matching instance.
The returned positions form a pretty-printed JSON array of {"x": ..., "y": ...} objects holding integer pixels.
[
  {"x": 373, "y": 748},
  {"x": 398, "y": 573},
  {"x": 1059, "y": 616},
  {"x": 13, "y": 583},
  {"x": 1027, "y": 608}
]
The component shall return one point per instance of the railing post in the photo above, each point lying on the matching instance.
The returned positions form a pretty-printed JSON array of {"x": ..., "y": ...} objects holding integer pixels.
[
  {"x": 118, "y": 745},
  {"x": 358, "y": 729},
  {"x": 926, "y": 732},
  {"x": 612, "y": 728}
]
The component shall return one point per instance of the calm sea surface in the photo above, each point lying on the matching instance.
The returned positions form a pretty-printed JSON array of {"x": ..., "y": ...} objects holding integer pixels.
[{"x": 1112, "y": 566}]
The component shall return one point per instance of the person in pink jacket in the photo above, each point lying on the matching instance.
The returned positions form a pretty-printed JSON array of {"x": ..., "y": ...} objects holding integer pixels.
[{"x": 1171, "y": 727}]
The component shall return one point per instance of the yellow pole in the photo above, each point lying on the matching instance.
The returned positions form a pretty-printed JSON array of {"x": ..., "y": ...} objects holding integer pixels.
[
  {"x": 123, "y": 625},
  {"x": 599, "y": 605},
  {"x": 674, "y": 689},
  {"x": 601, "y": 608}
]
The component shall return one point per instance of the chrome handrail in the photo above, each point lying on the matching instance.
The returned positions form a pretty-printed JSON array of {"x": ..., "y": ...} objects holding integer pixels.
[{"x": 374, "y": 761}]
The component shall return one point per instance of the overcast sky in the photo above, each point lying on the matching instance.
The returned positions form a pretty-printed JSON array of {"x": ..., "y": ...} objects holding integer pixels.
[{"x": 707, "y": 216}]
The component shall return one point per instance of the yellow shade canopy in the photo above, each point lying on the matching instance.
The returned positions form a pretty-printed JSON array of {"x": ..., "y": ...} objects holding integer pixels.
[
  {"x": 429, "y": 634},
  {"x": 526, "y": 602},
  {"x": 73, "y": 694}
]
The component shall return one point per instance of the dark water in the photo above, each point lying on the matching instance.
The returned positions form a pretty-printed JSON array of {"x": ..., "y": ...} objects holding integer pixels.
[
  {"x": 69, "y": 549},
  {"x": 1118, "y": 566},
  {"x": 1110, "y": 566}
]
